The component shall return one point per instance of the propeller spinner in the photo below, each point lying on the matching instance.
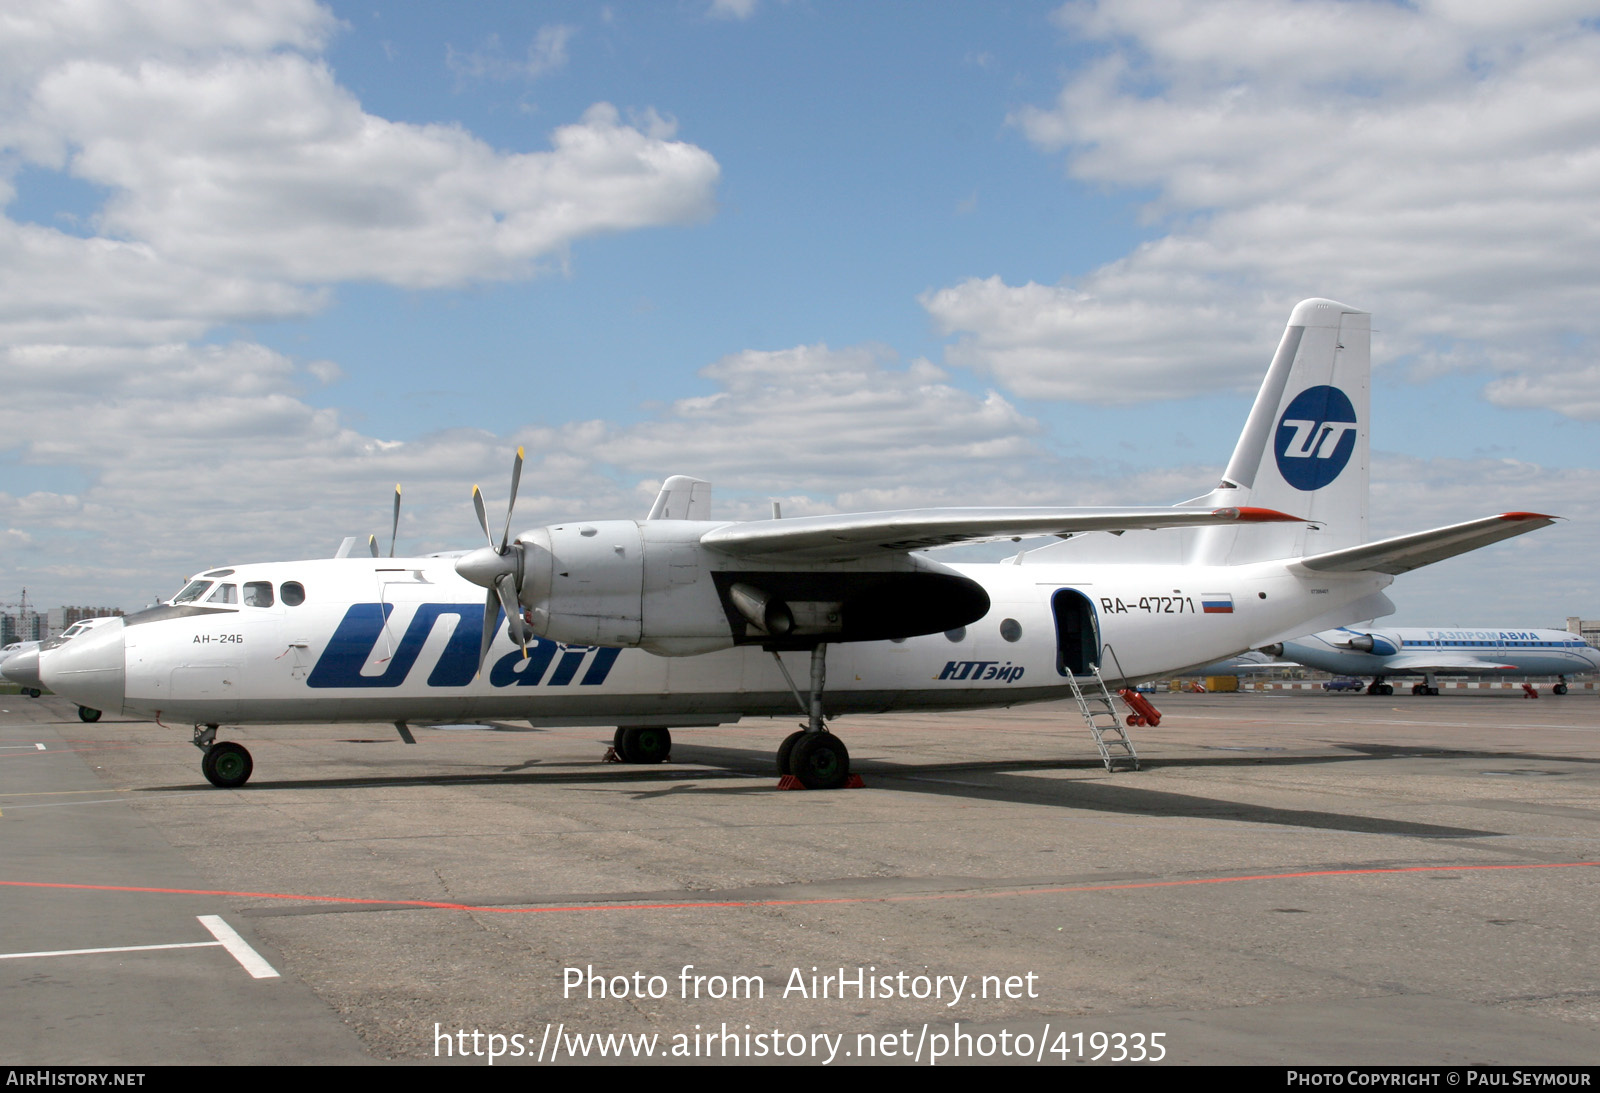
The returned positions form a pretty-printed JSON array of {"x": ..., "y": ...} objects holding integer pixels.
[{"x": 498, "y": 568}]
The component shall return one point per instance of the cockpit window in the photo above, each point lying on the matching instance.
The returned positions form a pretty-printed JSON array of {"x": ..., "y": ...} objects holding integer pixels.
[
  {"x": 218, "y": 573},
  {"x": 192, "y": 591},
  {"x": 293, "y": 593},
  {"x": 225, "y": 593},
  {"x": 258, "y": 594}
]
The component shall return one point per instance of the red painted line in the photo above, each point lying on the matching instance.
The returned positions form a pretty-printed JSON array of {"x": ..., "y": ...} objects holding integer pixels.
[{"x": 712, "y": 904}]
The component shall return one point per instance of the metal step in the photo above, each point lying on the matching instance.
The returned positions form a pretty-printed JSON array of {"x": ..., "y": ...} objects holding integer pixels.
[{"x": 1099, "y": 711}]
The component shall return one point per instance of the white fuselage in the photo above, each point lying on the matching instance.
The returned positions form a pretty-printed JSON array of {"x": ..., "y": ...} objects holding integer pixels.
[
  {"x": 1444, "y": 651},
  {"x": 398, "y": 639}
]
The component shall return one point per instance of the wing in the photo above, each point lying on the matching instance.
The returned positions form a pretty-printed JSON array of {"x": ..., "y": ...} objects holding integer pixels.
[
  {"x": 1407, "y": 552},
  {"x": 869, "y": 534},
  {"x": 1444, "y": 663}
]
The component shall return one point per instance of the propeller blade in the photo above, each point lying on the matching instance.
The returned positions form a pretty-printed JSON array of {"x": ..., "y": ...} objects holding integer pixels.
[
  {"x": 483, "y": 517},
  {"x": 491, "y": 623},
  {"x": 372, "y": 544},
  {"x": 516, "y": 477},
  {"x": 508, "y": 600},
  {"x": 394, "y": 533}
]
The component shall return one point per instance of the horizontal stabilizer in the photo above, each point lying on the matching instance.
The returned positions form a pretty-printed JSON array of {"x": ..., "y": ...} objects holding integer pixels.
[
  {"x": 857, "y": 535},
  {"x": 1407, "y": 552}
]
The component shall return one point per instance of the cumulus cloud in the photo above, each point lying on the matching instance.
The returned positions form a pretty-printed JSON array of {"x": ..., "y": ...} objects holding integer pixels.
[
  {"x": 266, "y": 166},
  {"x": 1435, "y": 164},
  {"x": 732, "y": 9},
  {"x": 812, "y": 418},
  {"x": 546, "y": 53},
  {"x": 240, "y": 182}
]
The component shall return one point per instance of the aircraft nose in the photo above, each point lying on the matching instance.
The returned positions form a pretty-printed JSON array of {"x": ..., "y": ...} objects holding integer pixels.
[
  {"x": 89, "y": 669},
  {"x": 22, "y": 669}
]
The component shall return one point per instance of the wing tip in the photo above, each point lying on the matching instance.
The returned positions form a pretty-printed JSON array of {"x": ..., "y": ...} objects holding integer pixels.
[
  {"x": 1527, "y": 516},
  {"x": 1247, "y": 514}
]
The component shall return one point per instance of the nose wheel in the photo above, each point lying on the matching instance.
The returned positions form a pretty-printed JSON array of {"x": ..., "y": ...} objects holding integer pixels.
[
  {"x": 642, "y": 745},
  {"x": 225, "y": 764}
]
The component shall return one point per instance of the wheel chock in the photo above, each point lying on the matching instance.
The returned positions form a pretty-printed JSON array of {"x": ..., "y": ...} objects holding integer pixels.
[
  {"x": 1529, "y": 691},
  {"x": 611, "y": 756}
]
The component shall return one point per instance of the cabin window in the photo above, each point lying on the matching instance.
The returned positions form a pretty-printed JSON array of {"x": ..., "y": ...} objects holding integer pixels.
[
  {"x": 1011, "y": 629},
  {"x": 293, "y": 593},
  {"x": 258, "y": 594},
  {"x": 193, "y": 591}
]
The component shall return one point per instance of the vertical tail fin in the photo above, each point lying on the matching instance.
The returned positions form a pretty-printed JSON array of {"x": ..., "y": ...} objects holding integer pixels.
[{"x": 1304, "y": 448}]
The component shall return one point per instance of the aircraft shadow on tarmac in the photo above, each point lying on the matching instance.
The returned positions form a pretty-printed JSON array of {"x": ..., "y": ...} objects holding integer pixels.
[{"x": 1010, "y": 782}]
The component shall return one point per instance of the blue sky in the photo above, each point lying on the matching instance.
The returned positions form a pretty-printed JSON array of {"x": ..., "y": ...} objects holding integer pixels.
[{"x": 266, "y": 259}]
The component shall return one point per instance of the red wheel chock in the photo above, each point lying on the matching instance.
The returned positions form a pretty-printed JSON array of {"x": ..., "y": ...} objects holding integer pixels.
[{"x": 1529, "y": 691}]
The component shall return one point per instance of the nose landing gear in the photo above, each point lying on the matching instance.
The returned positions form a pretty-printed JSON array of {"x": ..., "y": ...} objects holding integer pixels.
[{"x": 225, "y": 764}]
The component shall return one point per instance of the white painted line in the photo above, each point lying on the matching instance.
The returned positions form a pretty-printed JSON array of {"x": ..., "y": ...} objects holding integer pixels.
[
  {"x": 238, "y": 947},
  {"x": 119, "y": 949},
  {"x": 38, "y": 745}
]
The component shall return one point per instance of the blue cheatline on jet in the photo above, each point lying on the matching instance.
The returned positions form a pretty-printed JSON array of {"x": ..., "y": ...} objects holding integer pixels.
[
  {"x": 362, "y": 629},
  {"x": 1316, "y": 436}
]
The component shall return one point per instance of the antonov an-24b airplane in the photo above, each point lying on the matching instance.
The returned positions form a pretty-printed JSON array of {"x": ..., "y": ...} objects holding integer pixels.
[{"x": 680, "y": 619}]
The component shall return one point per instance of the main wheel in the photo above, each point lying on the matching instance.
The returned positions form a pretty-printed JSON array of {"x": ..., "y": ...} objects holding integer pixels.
[
  {"x": 645, "y": 745},
  {"x": 1559, "y": 688},
  {"x": 820, "y": 761},
  {"x": 786, "y": 752},
  {"x": 86, "y": 713},
  {"x": 227, "y": 765},
  {"x": 1386, "y": 689}
]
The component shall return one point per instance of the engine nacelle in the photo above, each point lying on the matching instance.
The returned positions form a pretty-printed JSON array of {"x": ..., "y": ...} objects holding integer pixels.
[
  {"x": 583, "y": 583},
  {"x": 653, "y": 585}
]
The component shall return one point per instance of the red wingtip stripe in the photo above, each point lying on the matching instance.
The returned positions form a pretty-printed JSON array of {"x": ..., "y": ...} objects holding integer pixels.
[
  {"x": 1526, "y": 516},
  {"x": 1248, "y": 515}
]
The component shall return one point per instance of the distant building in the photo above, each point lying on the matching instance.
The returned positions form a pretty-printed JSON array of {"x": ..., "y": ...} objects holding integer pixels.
[
  {"x": 37, "y": 625},
  {"x": 1587, "y": 629},
  {"x": 21, "y": 627}
]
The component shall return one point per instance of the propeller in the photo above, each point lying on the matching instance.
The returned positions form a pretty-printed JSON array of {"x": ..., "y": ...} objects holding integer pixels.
[
  {"x": 394, "y": 532},
  {"x": 498, "y": 568}
]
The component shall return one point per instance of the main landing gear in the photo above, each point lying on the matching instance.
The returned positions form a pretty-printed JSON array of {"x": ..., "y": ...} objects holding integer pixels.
[
  {"x": 814, "y": 757},
  {"x": 225, "y": 764},
  {"x": 1379, "y": 687},
  {"x": 88, "y": 713},
  {"x": 1428, "y": 686}
]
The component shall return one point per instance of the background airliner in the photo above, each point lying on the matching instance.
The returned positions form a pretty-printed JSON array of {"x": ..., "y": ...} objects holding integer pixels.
[{"x": 1431, "y": 653}]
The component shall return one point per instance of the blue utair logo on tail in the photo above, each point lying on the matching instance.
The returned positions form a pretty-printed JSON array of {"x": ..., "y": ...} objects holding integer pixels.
[{"x": 1316, "y": 437}]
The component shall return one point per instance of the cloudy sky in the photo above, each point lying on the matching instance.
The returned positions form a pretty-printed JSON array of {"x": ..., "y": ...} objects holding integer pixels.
[{"x": 262, "y": 259}]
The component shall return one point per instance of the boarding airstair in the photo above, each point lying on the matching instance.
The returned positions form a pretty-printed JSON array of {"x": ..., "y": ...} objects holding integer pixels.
[{"x": 1099, "y": 710}]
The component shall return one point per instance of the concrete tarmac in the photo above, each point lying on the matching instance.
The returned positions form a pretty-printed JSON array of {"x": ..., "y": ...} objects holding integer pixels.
[{"x": 1292, "y": 878}]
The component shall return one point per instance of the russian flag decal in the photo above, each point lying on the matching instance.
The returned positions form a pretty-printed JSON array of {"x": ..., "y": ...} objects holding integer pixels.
[{"x": 1216, "y": 603}]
